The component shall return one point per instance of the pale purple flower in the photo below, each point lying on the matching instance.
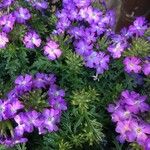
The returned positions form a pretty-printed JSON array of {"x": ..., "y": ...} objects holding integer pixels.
[
  {"x": 3, "y": 40},
  {"x": 93, "y": 15},
  {"x": 22, "y": 15},
  {"x": 132, "y": 64},
  {"x": 32, "y": 40},
  {"x": 146, "y": 68},
  {"x": 51, "y": 117},
  {"x": 51, "y": 50},
  {"x": 7, "y": 23}
]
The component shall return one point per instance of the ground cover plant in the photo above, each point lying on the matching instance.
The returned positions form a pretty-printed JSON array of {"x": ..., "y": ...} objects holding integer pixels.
[{"x": 68, "y": 81}]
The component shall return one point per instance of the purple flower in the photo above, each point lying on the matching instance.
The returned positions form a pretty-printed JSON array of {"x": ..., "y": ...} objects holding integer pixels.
[
  {"x": 125, "y": 130},
  {"x": 116, "y": 50},
  {"x": 3, "y": 40},
  {"x": 24, "y": 83},
  {"x": 140, "y": 131},
  {"x": 13, "y": 107},
  {"x": 6, "y": 3},
  {"x": 146, "y": 68},
  {"x": 82, "y": 3},
  {"x": 139, "y": 27},
  {"x": 92, "y": 60},
  {"x": 103, "y": 63},
  {"x": 52, "y": 50},
  {"x": 7, "y": 22},
  {"x": 2, "y": 110},
  {"x": 108, "y": 19},
  {"x": 83, "y": 48},
  {"x": 132, "y": 64},
  {"x": 77, "y": 32},
  {"x": 22, "y": 15},
  {"x": 32, "y": 40},
  {"x": 58, "y": 104},
  {"x": 51, "y": 117},
  {"x": 113, "y": 107},
  {"x": 54, "y": 93},
  {"x": 121, "y": 114},
  {"x": 89, "y": 36},
  {"x": 93, "y": 15},
  {"x": 39, "y": 81},
  {"x": 40, "y": 4},
  {"x": 147, "y": 144}
]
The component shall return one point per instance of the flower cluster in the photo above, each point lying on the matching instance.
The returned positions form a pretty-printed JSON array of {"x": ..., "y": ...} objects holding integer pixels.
[
  {"x": 94, "y": 24},
  {"x": 31, "y": 38},
  {"x": 7, "y": 22},
  {"x": 25, "y": 120},
  {"x": 126, "y": 113},
  {"x": 91, "y": 25}
]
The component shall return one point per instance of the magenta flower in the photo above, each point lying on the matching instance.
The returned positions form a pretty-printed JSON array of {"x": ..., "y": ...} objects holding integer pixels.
[
  {"x": 146, "y": 68},
  {"x": 132, "y": 64},
  {"x": 22, "y": 15},
  {"x": 7, "y": 22},
  {"x": 31, "y": 40},
  {"x": 3, "y": 40},
  {"x": 52, "y": 50}
]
